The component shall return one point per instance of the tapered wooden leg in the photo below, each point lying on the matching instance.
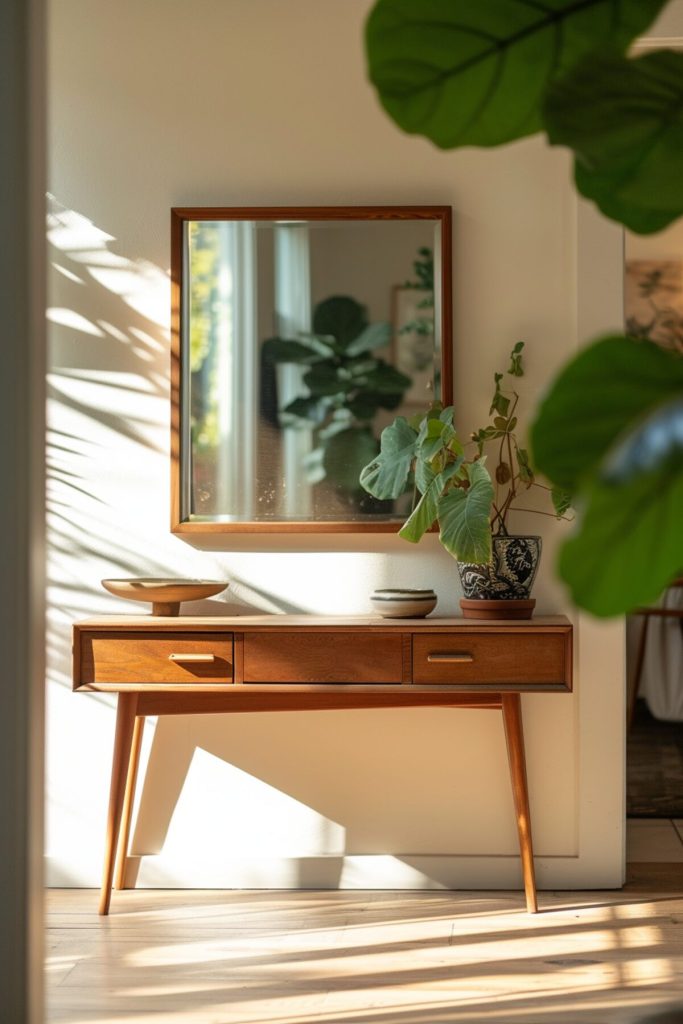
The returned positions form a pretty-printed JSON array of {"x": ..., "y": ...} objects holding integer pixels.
[
  {"x": 125, "y": 723},
  {"x": 128, "y": 801},
  {"x": 512, "y": 717}
]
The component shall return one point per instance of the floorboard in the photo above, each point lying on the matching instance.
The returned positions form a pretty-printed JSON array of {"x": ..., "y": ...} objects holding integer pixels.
[{"x": 207, "y": 957}]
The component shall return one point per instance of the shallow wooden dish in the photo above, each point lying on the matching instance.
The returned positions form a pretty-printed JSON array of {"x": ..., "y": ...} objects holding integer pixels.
[{"x": 164, "y": 594}]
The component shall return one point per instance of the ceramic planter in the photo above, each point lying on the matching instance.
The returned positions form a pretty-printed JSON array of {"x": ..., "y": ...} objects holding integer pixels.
[{"x": 507, "y": 580}]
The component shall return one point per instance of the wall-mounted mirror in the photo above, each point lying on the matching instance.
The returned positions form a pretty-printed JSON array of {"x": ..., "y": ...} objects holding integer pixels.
[{"x": 298, "y": 335}]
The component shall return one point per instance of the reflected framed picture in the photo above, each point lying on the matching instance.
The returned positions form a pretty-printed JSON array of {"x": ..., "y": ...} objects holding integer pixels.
[{"x": 413, "y": 341}]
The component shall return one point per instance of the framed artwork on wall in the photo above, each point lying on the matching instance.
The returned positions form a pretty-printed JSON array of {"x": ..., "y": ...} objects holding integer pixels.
[
  {"x": 413, "y": 341},
  {"x": 653, "y": 301}
]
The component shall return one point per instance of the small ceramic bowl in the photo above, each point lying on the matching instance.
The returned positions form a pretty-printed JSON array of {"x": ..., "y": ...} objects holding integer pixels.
[{"x": 403, "y": 604}]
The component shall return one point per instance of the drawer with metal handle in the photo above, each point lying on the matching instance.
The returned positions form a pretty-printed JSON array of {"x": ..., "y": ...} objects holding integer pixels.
[
  {"x": 108, "y": 659},
  {"x": 494, "y": 660}
]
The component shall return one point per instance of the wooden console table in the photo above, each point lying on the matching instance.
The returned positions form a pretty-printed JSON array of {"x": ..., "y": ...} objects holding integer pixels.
[{"x": 180, "y": 666}]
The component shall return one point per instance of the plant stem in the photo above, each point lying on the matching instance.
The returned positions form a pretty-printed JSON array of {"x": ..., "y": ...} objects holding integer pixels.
[{"x": 538, "y": 512}]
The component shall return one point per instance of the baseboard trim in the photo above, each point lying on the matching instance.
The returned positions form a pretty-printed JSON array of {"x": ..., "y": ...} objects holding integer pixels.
[{"x": 369, "y": 871}]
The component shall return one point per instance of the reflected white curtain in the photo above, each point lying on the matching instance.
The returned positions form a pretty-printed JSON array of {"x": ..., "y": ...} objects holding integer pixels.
[
  {"x": 293, "y": 316},
  {"x": 237, "y": 366}
]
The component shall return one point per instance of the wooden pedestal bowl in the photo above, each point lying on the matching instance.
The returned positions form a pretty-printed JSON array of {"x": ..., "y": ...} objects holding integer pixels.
[{"x": 165, "y": 595}]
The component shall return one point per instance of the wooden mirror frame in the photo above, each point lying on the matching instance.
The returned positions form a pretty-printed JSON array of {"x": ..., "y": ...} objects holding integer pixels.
[{"x": 179, "y": 216}]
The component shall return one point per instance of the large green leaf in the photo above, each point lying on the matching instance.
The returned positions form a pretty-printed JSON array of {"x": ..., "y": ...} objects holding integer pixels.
[
  {"x": 386, "y": 379},
  {"x": 425, "y": 512},
  {"x": 374, "y": 336},
  {"x": 624, "y": 121},
  {"x": 630, "y": 542},
  {"x": 650, "y": 443},
  {"x": 603, "y": 188},
  {"x": 345, "y": 455},
  {"x": 340, "y": 317},
  {"x": 434, "y": 437},
  {"x": 311, "y": 408},
  {"x": 285, "y": 350},
  {"x": 596, "y": 398},
  {"x": 364, "y": 405},
  {"x": 475, "y": 73},
  {"x": 464, "y": 517},
  {"x": 325, "y": 379},
  {"x": 386, "y": 476}
]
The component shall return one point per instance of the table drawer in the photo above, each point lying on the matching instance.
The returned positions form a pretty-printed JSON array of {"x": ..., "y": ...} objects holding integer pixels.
[
  {"x": 324, "y": 658},
  {"x": 155, "y": 658},
  {"x": 506, "y": 659}
]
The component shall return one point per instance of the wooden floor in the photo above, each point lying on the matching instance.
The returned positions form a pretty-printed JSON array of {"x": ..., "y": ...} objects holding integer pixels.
[{"x": 207, "y": 957}]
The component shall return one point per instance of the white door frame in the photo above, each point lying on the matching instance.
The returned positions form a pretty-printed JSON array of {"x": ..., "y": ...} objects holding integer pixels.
[{"x": 22, "y": 504}]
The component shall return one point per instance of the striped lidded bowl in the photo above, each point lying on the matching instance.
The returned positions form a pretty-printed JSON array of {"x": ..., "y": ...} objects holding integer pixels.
[{"x": 403, "y": 604}]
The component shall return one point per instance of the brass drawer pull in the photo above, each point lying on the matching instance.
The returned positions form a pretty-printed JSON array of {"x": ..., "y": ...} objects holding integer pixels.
[
  {"x": 195, "y": 659},
  {"x": 457, "y": 657}
]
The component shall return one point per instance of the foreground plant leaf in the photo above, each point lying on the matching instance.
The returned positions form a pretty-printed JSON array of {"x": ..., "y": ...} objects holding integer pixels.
[
  {"x": 630, "y": 543},
  {"x": 611, "y": 431},
  {"x": 464, "y": 517},
  {"x": 598, "y": 396},
  {"x": 475, "y": 73},
  {"x": 624, "y": 121}
]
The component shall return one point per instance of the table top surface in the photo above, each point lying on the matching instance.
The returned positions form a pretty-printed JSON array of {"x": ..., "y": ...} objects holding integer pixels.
[{"x": 240, "y": 623}]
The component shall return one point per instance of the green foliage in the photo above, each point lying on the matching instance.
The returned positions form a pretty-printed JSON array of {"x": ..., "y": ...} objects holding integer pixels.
[
  {"x": 203, "y": 250},
  {"x": 611, "y": 431},
  {"x": 464, "y": 517},
  {"x": 513, "y": 471},
  {"x": 454, "y": 490},
  {"x": 204, "y": 302},
  {"x": 344, "y": 452},
  {"x": 341, "y": 319},
  {"x": 458, "y": 494},
  {"x": 599, "y": 396},
  {"x": 515, "y": 367},
  {"x": 386, "y": 475},
  {"x": 347, "y": 384},
  {"x": 424, "y": 270},
  {"x": 629, "y": 155},
  {"x": 476, "y": 74},
  {"x": 466, "y": 74},
  {"x": 423, "y": 266}
]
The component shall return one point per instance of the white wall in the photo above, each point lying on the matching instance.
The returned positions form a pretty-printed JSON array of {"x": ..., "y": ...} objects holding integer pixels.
[{"x": 258, "y": 102}]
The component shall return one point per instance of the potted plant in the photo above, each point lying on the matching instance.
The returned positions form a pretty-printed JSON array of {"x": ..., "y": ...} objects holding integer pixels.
[{"x": 454, "y": 487}]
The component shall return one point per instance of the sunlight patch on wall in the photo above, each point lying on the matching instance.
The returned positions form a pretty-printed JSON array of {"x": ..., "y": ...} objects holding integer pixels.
[
  {"x": 141, "y": 285},
  {"x": 76, "y": 321},
  {"x": 265, "y": 817}
]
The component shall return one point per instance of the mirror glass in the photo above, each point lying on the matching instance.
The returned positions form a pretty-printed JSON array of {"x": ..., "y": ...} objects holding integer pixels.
[{"x": 300, "y": 339}]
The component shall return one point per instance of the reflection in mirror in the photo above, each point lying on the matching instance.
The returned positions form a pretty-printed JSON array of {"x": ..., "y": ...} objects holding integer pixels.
[{"x": 301, "y": 338}]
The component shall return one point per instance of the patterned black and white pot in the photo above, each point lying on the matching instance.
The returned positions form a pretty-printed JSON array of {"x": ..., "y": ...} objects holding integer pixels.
[{"x": 511, "y": 574}]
